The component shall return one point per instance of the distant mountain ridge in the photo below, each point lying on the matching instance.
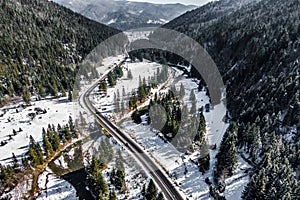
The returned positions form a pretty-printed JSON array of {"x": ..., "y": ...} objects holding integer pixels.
[{"x": 126, "y": 15}]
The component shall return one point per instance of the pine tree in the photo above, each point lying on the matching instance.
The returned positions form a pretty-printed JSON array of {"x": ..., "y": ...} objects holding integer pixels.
[
  {"x": 122, "y": 106},
  {"x": 151, "y": 191},
  {"x": 192, "y": 96},
  {"x": 160, "y": 196},
  {"x": 181, "y": 91},
  {"x": 35, "y": 152},
  {"x": 54, "y": 139},
  {"x": 47, "y": 146},
  {"x": 15, "y": 163},
  {"x": 26, "y": 95},
  {"x": 111, "y": 79},
  {"x": 112, "y": 195},
  {"x": 136, "y": 117},
  {"x": 129, "y": 75},
  {"x": 120, "y": 179},
  {"x": 123, "y": 93},
  {"x": 70, "y": 96},
  {"x": 227, "y": 155}
]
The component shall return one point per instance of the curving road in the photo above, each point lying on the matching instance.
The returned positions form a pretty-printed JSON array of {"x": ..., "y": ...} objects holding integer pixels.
[{"x": 168, "y": 189}]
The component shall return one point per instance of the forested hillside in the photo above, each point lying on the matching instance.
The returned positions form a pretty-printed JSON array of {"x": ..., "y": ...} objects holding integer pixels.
[
  {"x": 40, "y": 45},
  {"x": 256, "y": 47}
]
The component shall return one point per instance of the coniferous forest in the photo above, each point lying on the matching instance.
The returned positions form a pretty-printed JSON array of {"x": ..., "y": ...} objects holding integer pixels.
[
  {"x": 255, "y": 45},
  {"x": 41, "y": 45}
]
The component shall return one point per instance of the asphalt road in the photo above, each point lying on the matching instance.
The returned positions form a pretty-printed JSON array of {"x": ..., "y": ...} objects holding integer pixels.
[{"x": 168, "y": 189}]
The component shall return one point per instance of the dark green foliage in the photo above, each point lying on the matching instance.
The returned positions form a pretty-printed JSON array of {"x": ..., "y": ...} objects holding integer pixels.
[
  {"x": 160, "y": 196},
  {"x": 256, "y": 48},
  {"x": 113, "y": 75},
  {"x": 203, "y": 162},
  {"x": 95, "y": 180},
  {"x": 112, "y": 195},
  {"x": 117, "y": 177},
  {"x": 228, "y": 155},
  {"x": 260, "y": 79},
  {"x": 53, "y": 138},
  {"x": 201, "y": 130},
  {"x": 274, "y": 178},
  {"x": 47, "y": 146},
  {"x": 8, "y": 178},
  {"x": 120, "y": 180},
  {"x": 70, "y": 95},
  {"x": 35, "y": 152},
  {"x": 171, "y": 106},
  {"x": 10, "y": 175},
  {"x": 111, "y": 79},
  {"x": 103, "y": 86},
  {"x": 151, "y": 192},
  {"x": 41, "y": 43},
  {"x": 26, "y": 95},
  {"x": 143, "y": 92},
  {"x": 136, "y": 117}
]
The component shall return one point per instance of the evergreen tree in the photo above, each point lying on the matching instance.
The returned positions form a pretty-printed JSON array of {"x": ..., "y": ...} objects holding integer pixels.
[
  {"x": 151, "y": 192},
  {"x": 111, "y": 79},
  {"x": 122, "y": 106},
  {"x": 70, "y": 95},
  {"x": 129, "y": 75},
  {"x": 26, "y": 95},
  {"x": 112, "y": 195},
  {"x": 228, "y": 155},
  {"x": 136, "y": 117},
  {"x": 123, "y": 93},
  {"x": 120, "y": 180},
  {"x": 47, "y": 146},
  {"x": 181, "y": 91},
  {"x": 35, "y": 152},
  {"x": 192, "y": 96},
  {"x": 160, "y": 196},
  {"x": 15, "y": 163}
]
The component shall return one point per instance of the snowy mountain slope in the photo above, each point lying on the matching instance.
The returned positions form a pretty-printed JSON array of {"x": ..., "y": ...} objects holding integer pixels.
[{"x": 126, "y": 15}]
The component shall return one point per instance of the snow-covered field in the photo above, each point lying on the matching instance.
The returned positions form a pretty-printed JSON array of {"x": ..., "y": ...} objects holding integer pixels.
[
  {"x": 179, "y": 166},
  {"x": 55, "y": 188},
  {"x": 141, "y": 69},
  {"x": 15, "y": 117}
]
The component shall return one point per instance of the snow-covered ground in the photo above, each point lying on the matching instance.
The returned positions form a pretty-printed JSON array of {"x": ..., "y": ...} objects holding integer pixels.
[
  {"x": 141, "y": 69},
  {"x": 55, "y": 188},
  {"x": 179, "y": 166},
  {"x": 15, "y": 117},
  {"x": 138, "y": 34},
  {"x": 136, "y": 177}
]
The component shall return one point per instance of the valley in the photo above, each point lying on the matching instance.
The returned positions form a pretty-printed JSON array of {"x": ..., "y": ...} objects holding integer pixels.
[{"x": 203, "y": 106}]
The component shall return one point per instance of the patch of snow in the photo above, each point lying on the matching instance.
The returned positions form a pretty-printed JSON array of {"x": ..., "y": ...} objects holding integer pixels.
[
  {"x": 61, "y": 162},
  {"x": 112, "y": 21},
  {"x": 58, "y": 112},
  {"x": 55, "y": 188}
]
